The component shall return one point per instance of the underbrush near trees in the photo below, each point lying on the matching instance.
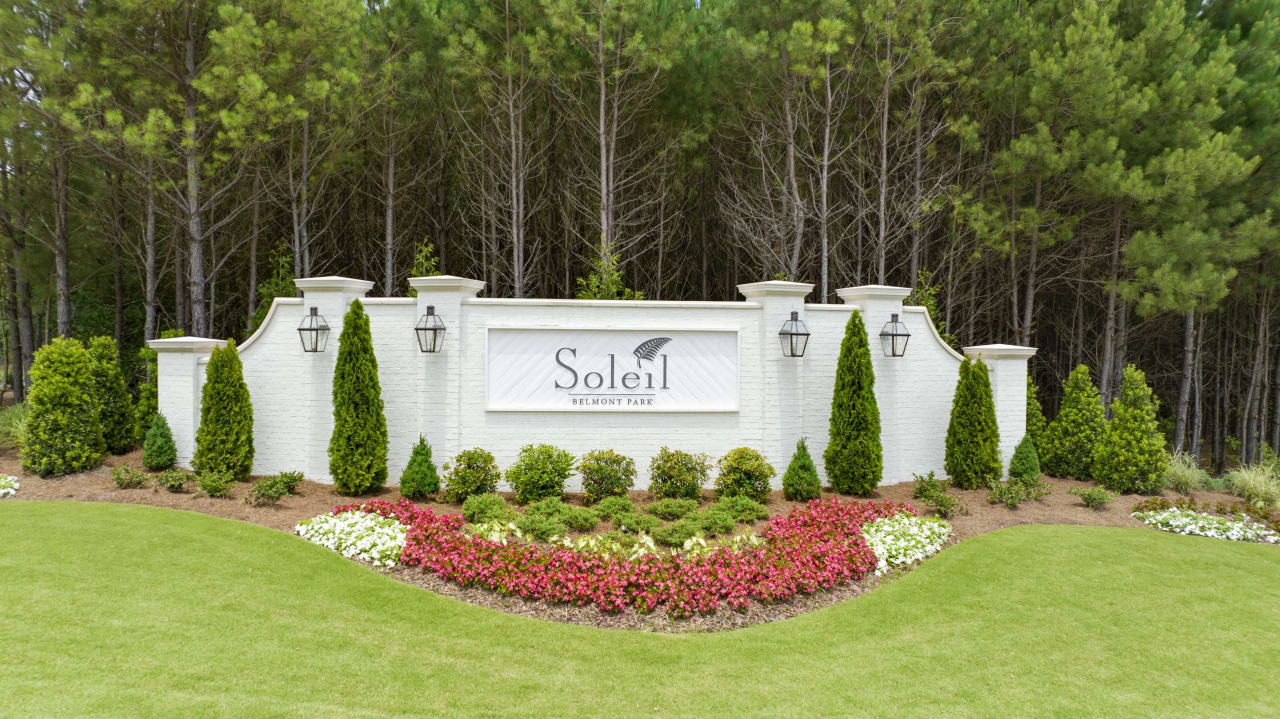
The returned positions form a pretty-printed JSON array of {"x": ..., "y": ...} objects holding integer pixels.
[{"x": 13, "y": 419}]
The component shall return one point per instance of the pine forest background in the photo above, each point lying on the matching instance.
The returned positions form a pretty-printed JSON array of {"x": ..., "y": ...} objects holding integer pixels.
[{"x": 1098, "y": 179}]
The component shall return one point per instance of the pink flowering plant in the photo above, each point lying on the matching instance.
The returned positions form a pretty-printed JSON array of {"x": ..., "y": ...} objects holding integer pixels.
[{"x": 816, "y": 546}]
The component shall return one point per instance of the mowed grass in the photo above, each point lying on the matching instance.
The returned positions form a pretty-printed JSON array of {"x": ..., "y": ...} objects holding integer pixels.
[{"x": 123, "y": 610}]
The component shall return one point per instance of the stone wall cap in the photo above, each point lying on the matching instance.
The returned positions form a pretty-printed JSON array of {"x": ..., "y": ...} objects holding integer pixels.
[
  {"x": 782, "y": 288},
  {"x": 185, "y": 344},
  {"x": 873, "y": 292},
  {"x": 999, "y": 351},
  {"x": 444, "y": 283},
  {"x": 333, "y": 283}
]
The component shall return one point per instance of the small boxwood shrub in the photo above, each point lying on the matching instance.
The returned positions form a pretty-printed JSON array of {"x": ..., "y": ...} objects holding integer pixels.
[
  {"x": 1093, "y": 497},
  {"x": 158, "y": 450},
  {"x": 540, "y": 527},
  {"x": 172, "y": 480},
  {"x": 1007, "y": 494},
  {"x": 1025, "y": 461},
  {"x": 741, "y": 508},
  {"x": 62, "y": 434},
  {"x": 800, "y": 482},
  {"x": 127, "y": 477},
  {"x": 473, "y": 471},
  {"x": 484, "y": 508},
  {"x": 933, "y": 492},
  {"x": 677, "y": 474},
  {"x": 419, "y": 478},
  {"x": 290, "y": 481},
  {"x": 744, "y": 472},
  {"x": 676, "y": 533},
  {"x": 946, "y": 506},
  {"x": 267, "y": 490},
  {"x": 671, "y": 509},
  {"x": 215, "y": 483},
  {"x": 636, "y": 522},
  {"x": 610, "y": 508},
  {"x": 539, "y": 472},
  {"x": 605, "y": 473}
]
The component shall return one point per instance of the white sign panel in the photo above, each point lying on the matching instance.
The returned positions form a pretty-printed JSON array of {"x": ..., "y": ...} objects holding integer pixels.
[{"x": 604, "y": 370}]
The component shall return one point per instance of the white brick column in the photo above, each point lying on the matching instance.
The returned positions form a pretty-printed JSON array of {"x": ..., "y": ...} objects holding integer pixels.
[
  {"x": 180, "y": 365},
  {"x": 313, "y": 394},
  {"x": 782, "y": 385},
  {"x": 440, "y": 409},
  {"x": 1007, "y": 368}
]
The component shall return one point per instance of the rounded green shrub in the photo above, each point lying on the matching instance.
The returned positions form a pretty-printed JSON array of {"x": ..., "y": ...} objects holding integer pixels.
[
  {"x": 127, "y": 477},
  {"x": 800, "y": 483},
  {"x": 742, "y": 508},
  {"x": 1025, "y": 463},
  {"x": 539, "y": 472},
  {"x": 611, "y": 507},
  {"x": 473, "y": 471},
  {"x": 358, "y": 445},
  {"x": 419, "y": 478},
  {"x": 605, "y": 473},
  {"x": 578, "y": 519},
  {"x": 158, "y": 450},
  {"x": 115, "y": 406},
  {"x": 1068, "y": 442},
  {"x": 488, "y": 507},
  {"x": 215, "y": 483},
  {"x": 224, "y": 441},
  {"x": 744, "y": 472},
  {"x": 290, "y": 481},
  {"x": 676, "y": 533},
  {"x": 1131, "y": 456},
  {"x": 63, "y": 433},
  {"x": 636, "y": 522},
  {"x": 672, "y": 509},
  {"x": 540, "y": 527},
  {"x": 853, "y": 458},
  {"x": 973, "y": 437},
  {"x": 677, "y": 474},
  {"x": 267, "y": 490},
  {"x": 172, "y": 480},
  {"x": 715, "y": 521}
]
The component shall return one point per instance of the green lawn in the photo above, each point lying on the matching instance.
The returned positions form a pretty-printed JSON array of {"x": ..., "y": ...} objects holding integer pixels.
[{"x": 129, "y": 610}]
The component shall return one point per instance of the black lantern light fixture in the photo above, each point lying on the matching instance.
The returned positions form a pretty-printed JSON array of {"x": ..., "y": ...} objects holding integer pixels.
[
  {"x": 794, "y": 336},
  {"x": 894, "y": 336},
  {"x": 430, "y": 331},
  {"x": 314, "y": 332}
]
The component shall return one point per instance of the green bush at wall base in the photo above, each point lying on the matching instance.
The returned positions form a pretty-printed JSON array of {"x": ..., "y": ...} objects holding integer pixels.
[
  {"x": 1093, "y": 497},
  {"x": 419, "y": 478},
  {"x": 853, "y": 458},
  {"x": 62, "y": 431},
  {"x": 358, "y": 445},
  {"x": 800, "y": 483},
  {"x": 1036, "y": 423},
  {"x": 224, "y": 441},
  {"x": 473, "y": 471},
  {"x": 744, "y": 472},
  {"x": 215, "y": 483},
  {"x": 539, "y": 472},
  {"x": 672, "y": 509},
  {"x": 1025, "y": 462},
  {"x": 973, "y": 438},
  {"x": 172, "y": 480},
  {"x": 1131, "y": 456},
  {"x": 577, "y": 519},
  {"x": 290, "y": 481},
  {"x": 267, "y": 490},
  {"x": 158, "y": 450},
  {"x": 677, "y": 474},
  {"x": 605, "y": 473},
  {"x": 115, "y": 406}
]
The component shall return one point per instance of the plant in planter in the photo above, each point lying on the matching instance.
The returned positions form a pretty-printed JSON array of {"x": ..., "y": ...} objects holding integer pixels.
[
  {"x": 158, "y": 450},
  {"x": 973, "y": 437},
  {"x": 115, "y": 406},
  {"x": 358, "y": 445},
  {"x": 63, "y": 433},
  {"x": 473, "y": 471},
  {"x": 677, "y": 474},
  {"x": 800, "y": 482},
  {"x": 224, "y": 441},
  {"x": 1131, "y": 456},
  {"x": 539, "y": 472},
  {"x": 605, "y": 473},
  {"x": 1069, "y": 440},
  {"x": 744, "y": 472},
  {"x": 854, "y": 459},
  {"x": 420, "y": 477}
]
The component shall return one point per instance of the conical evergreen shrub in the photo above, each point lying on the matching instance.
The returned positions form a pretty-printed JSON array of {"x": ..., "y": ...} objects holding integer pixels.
[
  {"x": 63, "y": 434},
  {"x": 801, "y": 483},
  {"x": 853, "y": 458},
  {"x": 158, "y": 450},
  {"x": 420, "y": 477},
  {"x": 358, "y": 445},
  {"x": 973, "y": 437},
  {"x": 1036, "y": 423},
  {"x": 1131, "y": 456},
  {"x": 115, "y": 406},
  {"x": 1025, "y": 463},
  {"x": 1069, "y": 440},
  {"x": 224, "y": 441}
]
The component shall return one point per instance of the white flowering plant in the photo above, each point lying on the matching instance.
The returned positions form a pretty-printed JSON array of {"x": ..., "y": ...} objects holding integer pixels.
[
  {"x": 1185, "y": 521},
  {"x": 903, "y": 539},
  {"x": 8, "y": 485},
  {"x": 357, "y": 535}
]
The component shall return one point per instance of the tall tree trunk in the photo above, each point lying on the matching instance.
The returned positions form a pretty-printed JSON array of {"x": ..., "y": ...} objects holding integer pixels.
[
  {"x": 1029, "y": 301},
  {"x": 191, "y": 158},
  {"x": 1184, "y": 389},
  {"x": 1248, "y": 410},
  {"x": 1197, "y": 421},
  {"x": 882, "y": 238},
  {"x": 824, "y": 221},
  {"x": 1109, "y": 330},
  {"x": 58, "y": 172},
  {"x": 149, "y": 258},
  {"x": 389, "y": 206},
  {"x": 15, "y": 344},
  {"x": 255, "y": 227}
]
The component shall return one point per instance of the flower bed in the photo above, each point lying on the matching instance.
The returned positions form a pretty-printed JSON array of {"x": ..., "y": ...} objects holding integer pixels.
[
  {"x": 376, "y": 539},
  {"x": 8, "y": 485},
  {"x": 905, "y": 539},
  {"x": 817, "y": 546},
  {"x": 1185, "y": 521}
]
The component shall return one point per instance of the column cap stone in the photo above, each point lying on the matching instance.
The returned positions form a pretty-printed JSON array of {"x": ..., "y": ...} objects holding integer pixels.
[
  {"x": 333, "y": 283},
  {"x": 446, "y": 283},
  {"x": 777, "y": 288},
  {"x": 854, "y": 295},
  {"x": 185, "y": 344},
  {"x": 999, "y": 351}
]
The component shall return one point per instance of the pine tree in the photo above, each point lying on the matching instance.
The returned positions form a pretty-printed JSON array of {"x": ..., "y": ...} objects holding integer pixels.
[
  {"x": 1131, "y": 456},
  {"x": 420, "y": 477},
  {"x": 115, "y": 410},
  {"x": 158, "y": 450},
  {"x": 62, "y": 434},
  {"x": 224, "y": 441},
  {"x": 800, "y": 483},
  {"x": 1069, "y": 440},
  {"x": 1036, "y": 423},
  {"x": 853, "y": 457},
  {"x": 973, "y": 437},
  {"x": 358, "y": 445}
]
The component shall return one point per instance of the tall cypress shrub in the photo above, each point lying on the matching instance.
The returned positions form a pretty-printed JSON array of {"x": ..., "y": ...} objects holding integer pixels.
[
  {"x": 63, "y": 433},
  {"x": 224, "y": 441},
  {"x": 358, "y": 445},
  {"x": 973, "y": 437},
  {"x": 1071, "y": 436},
  {"x": 1131, "y": 456},
  {"x": 853, "y": 457},
  {"x": 1036, "y": 423},
  {"x": 115, "y": 407}
]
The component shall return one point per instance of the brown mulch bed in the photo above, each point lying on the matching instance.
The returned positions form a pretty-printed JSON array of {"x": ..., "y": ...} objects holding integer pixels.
[{"x": 314, "y": 498}]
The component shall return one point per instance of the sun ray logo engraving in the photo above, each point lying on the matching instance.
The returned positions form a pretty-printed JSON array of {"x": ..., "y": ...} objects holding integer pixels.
[{"x": 648, "y": 350}]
